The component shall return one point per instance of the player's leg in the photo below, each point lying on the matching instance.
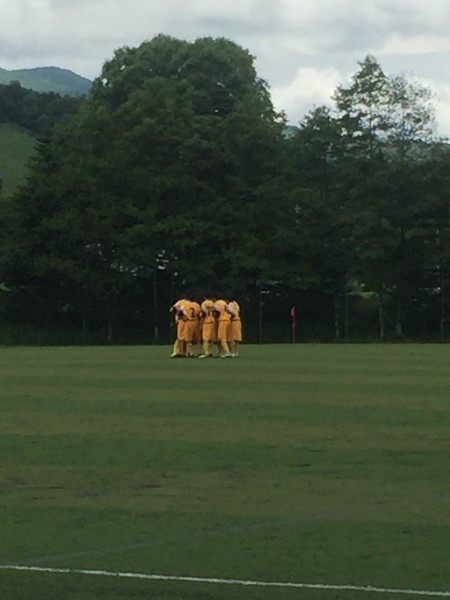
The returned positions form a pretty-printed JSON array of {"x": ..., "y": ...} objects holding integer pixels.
[
  {"x": 179, "y": 348},
  {"x": 207, "y": 334},
  {"x": 189, "y": 349},
  {"x": 199, "y": 336},
  {"x": 190, "y": 337},
  {"x": 181, "y": 335},
  {"x": 222, "y": 336},
  {"x": 206, "y": 349},
  {"x": 225, "y": 349},
  {"x": 237, "y": 336},
  {"x": 175, "y": 349},
  {"x": 230, "y": 340}
]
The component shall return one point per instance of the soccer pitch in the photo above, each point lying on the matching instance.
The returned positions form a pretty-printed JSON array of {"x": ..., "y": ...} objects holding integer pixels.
[{"x": 316, "y": 465}]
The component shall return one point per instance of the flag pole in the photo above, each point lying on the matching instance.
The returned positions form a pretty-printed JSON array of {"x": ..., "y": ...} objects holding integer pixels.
[{"x": 293, "y": 317}]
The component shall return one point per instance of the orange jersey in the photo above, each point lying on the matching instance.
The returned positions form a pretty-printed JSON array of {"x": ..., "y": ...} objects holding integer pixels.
[
  {"x": 221, "y": 307},
  {"x": 208, "y": 311},
  {"x": 191, "y": 310},
  {"x": 177, "y": 308},
  {"x": 236, "y": 325},
  {"x": 234, "y": 309},
  {"x": 209, "y": 323}
]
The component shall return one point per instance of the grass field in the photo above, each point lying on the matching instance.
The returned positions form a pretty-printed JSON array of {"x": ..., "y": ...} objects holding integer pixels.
[
  {"x": 313, "y": 464},
  {"x": 16, "y": 148}
]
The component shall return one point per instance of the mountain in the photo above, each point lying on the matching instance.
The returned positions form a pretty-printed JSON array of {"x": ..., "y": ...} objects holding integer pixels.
[
  {"x": 48, "y": 79},
  {"x": 289, "y": 130}
]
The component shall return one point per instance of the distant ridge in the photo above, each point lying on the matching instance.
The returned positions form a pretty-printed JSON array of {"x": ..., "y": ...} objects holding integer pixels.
[{"x": 48, "y": 79}]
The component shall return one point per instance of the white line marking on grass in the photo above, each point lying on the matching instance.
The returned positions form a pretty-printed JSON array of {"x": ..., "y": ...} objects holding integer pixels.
[{"x": 214, "y": 580}]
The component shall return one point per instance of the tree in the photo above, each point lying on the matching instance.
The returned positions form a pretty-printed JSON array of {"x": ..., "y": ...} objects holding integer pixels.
[
  {"x": 388, "y": 126},
  {"x": 319, "y": 209},
  {"x": 161, "y": 169},
  {"x": 362, "y": 108}
]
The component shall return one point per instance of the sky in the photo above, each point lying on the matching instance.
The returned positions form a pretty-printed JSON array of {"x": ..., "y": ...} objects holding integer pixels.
[{"x": 302, "y": 48}]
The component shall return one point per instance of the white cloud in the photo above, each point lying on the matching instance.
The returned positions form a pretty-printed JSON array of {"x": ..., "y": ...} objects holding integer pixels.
[
  {"x": 304, "y": 48},
  {"x": 413, "y": 44},
  {"x": 301, "y": 45},
  {"x": 441, "y": 91},
  {"x": 309, "y": 88},
  {"x": 443, "y": 114}
]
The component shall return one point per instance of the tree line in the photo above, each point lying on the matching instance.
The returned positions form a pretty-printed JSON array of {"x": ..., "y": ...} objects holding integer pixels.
[
  {"x": 176, "y": 172},
  {"x": 37, "y": 112}
]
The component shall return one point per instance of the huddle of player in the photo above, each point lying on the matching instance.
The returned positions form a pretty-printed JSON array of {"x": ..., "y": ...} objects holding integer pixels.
[{"x": 208, "y": 324}]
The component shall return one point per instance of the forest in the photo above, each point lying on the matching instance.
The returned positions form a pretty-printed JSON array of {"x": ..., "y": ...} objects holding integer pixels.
[
  {"x": 175, "y": 172},
  {"x": 36, "y": 112}
]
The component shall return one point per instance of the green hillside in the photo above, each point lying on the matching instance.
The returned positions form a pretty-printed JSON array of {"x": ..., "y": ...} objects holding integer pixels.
[
  {"x": 48, "y": 79},
  {"x": 16, "y": 148}
]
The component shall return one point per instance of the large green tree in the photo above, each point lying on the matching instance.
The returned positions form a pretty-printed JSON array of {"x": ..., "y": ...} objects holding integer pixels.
[
  {"x": 321, "y": 223},
  {"x": 160, "y": 175},
  {"x": 388, "y": 125}
]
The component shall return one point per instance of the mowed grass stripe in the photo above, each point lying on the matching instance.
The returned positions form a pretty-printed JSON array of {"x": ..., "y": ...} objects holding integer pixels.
[
  {"x": 416, "y": 434},
  {"x": 326, "y": 460}
]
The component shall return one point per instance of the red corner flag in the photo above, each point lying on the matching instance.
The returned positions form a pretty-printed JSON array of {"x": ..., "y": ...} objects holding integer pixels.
[{"x": 293, "y": 315}]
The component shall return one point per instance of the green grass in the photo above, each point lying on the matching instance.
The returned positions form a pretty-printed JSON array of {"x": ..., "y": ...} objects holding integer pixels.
[
  {"x": 309, "y": 463},
  {"x": 16, "y": 148}
]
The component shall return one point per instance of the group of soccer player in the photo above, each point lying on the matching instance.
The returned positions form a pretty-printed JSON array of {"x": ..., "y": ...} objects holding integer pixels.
[{"x": 213, "y": 325}]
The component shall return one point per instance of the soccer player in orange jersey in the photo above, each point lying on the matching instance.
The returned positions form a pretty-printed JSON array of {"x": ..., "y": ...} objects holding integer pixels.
[
  {"x": 191, "y": 311},
  {"x": 209, "y": 333},
  {"x": 179, "y": 347},
  {"x": 236, "y": 327},
  {"x": 224, "y": 327}
]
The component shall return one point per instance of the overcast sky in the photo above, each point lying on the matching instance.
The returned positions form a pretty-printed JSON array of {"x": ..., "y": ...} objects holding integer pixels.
[{"x": 303, "y": 48}]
